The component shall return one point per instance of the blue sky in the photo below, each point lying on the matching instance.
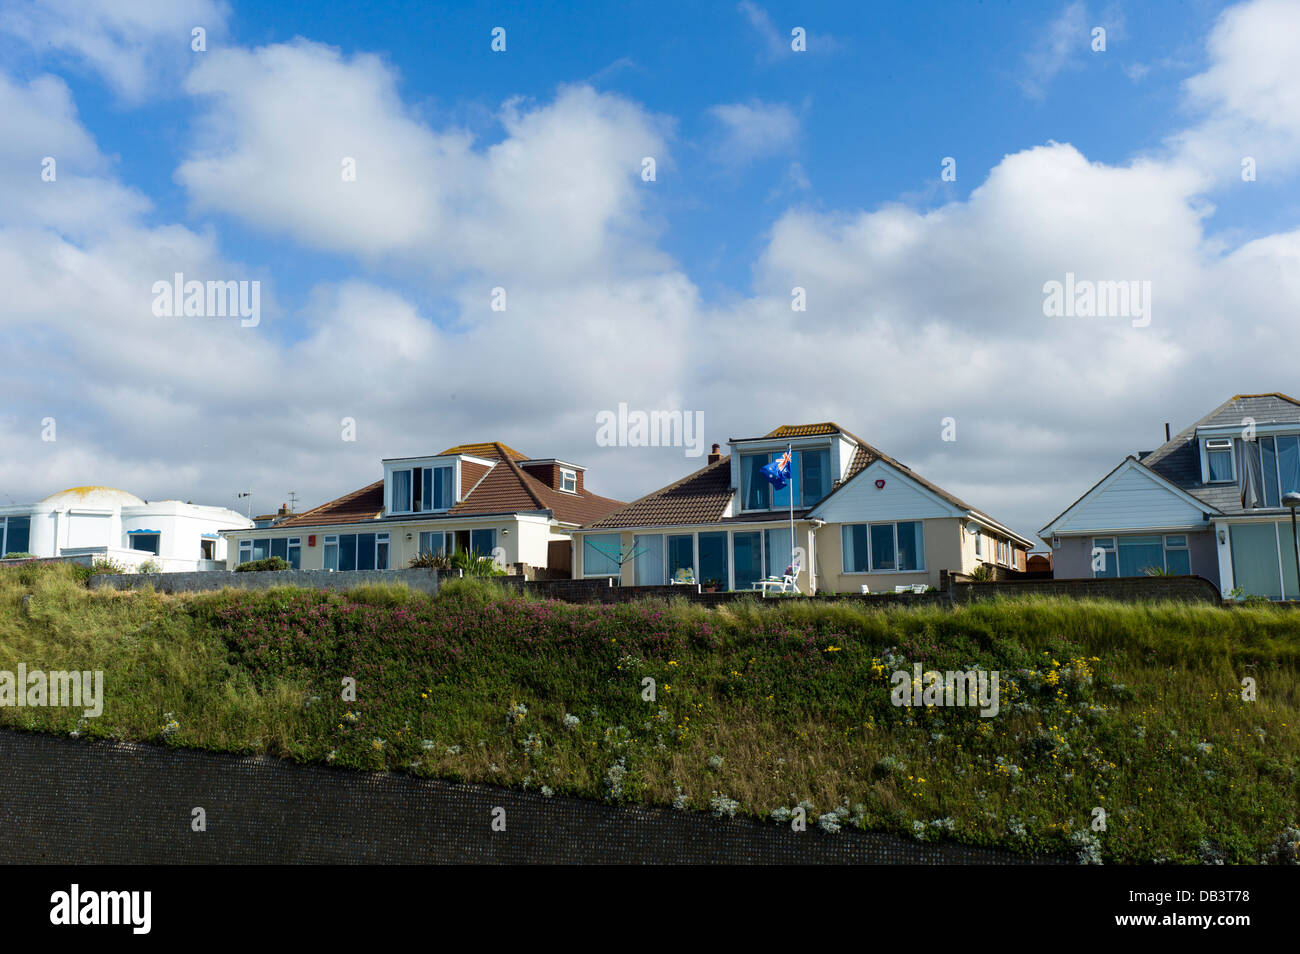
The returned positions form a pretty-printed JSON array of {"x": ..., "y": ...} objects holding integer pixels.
[{"x": 519, "y": 169}]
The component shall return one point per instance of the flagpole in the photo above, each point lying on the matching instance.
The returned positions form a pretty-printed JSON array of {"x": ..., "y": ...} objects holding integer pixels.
[{"x": 789, "y": 449}]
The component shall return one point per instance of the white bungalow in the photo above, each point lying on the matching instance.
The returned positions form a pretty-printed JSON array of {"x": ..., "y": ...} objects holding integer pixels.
[{"x": 103, "y": 522}]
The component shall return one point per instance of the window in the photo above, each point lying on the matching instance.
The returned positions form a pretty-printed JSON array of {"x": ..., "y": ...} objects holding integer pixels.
[
  {"x": 1109, "y": 567},
  {"x": 483, "y": 542},
  {"x": 288, "y": 549},
  {"x": 207, "y": 549},
  {"x": 437, "y": 542},
  {"x": 809, "y": 480},
  {"x": 15, "y": 533},
  {"x": 356, "y": 551},
  {"x": 148, "y": 542},
  {"x": 883, "y": 547},
  {"x": 569, "y": 481},
  {"x": 747, "y": 558},
  {"x": 1136, "y": 555},
  {"x": 780, "y": 552},
  {"x": 649, "y": 559},
  {"x": 1218, "y": 457},
  {"x": 1178, "y": 559},
  {"x": 1277, "y": 461},
  {"x": 853, "y": 538},
  {"x": 681, "y": 555},
  {"x": 979, "y": 543},
  {"x": 1005, "y": 552},
  {"x": 421, "y": 489},
  {"x": 714, "y": 568},
  {"x": 601, "y": 553}
]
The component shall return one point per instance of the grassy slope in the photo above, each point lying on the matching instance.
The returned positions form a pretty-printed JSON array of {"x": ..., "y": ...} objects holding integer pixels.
[{"x": 1136, "y": 709}]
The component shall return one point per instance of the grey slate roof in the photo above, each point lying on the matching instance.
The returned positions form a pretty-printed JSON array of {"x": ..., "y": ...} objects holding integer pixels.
[{"x": 1178, "y": 460}]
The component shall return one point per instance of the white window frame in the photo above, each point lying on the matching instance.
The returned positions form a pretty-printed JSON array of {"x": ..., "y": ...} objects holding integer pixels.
[
  {"x": 1231, "y": 451},
  {"x": 568, "y": 476},
  {"x": 870, "y": 570}
]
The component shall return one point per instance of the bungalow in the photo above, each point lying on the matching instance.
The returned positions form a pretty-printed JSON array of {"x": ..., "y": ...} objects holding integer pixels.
[
  {"x": 1207, "y": 502},
  {"x": 488, "y": 498},
  {"x": 106, "y": 523},
  {"x": 861, "y": 519}
]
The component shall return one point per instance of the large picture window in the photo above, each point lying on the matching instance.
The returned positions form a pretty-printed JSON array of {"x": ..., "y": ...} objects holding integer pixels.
[
  {"x": 356, "y": 551},
  {"x": 1277, "y": 461},
  {"x": 1139, "y": 555},
  {"x": 883, "y": 547},
  {"x": 288, "y": 549}
]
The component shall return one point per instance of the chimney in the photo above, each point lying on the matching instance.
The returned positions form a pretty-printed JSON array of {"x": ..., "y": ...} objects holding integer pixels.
[
  {"x": 284, "y": 510},
  {"x": 715, "y": 455},
  {"x": 1167, "y": 435}
]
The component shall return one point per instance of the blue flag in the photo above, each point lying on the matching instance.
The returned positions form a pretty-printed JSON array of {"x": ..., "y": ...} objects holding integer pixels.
[{"x": 777, "y": 472}]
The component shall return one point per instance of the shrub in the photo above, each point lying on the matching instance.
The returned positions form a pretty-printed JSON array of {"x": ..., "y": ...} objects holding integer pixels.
[
  {"x": 474, "y": 563},
  {"x": 149, "y": 566},
  {"x": 106, "y": 565},
  {"x": 270, "y": 563},
  {"x": 982, "y": 574},
  {"x": 20, "y": 556},
  {"x": 424, "y": 560}
]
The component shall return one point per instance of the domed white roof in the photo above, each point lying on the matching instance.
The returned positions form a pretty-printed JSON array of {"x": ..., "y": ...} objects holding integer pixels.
[{"x": 99, "y": 498}]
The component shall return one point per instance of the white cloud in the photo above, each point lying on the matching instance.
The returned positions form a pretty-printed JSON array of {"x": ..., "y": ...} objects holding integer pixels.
[
  {"x": 557, "y": 195},
  {"x": 138, "y": 46},
  {"x": 753, "y": 130},
  {"x": 1063, "y": 45},
  {"x": 1250, "y": 94}
]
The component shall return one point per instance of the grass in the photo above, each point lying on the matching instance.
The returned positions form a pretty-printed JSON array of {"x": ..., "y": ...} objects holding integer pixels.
[{"x": 1136, "y": 710}]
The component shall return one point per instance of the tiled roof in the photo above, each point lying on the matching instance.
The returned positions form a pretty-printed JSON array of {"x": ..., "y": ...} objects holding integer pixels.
[
  {"x": 1178, "y": 460},
  {"x": 805, "y": 430},
  {"x": 364, "y": 504},
  {"x": 491, "y": 450},
  {"x": 505, "y": 489},
  {"x": 700, "y": 497}
]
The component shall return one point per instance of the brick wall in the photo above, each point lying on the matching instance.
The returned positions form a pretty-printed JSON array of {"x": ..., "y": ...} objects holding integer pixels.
[{"x": 70, "y": 802}]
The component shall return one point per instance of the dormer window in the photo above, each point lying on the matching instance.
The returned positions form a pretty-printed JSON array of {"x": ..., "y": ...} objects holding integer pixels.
[
  {"x": 568, "y": 480},
  {"x": 1218, "y": 460},
  {"x": 810, "y": 480},
  {"x": 421, "y": 489}
]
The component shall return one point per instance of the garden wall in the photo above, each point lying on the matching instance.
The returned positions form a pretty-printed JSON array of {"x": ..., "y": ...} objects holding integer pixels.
[
  {"x": 425, "y": 581},
  {"x": 69, "y": 802}
]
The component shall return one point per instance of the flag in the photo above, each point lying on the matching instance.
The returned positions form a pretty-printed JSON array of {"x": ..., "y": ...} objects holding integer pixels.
[{"x": 777, "y": 472}]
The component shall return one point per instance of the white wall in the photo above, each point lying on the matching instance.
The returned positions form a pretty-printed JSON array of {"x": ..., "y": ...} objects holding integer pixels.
[{"x": 1132, "y": 500}]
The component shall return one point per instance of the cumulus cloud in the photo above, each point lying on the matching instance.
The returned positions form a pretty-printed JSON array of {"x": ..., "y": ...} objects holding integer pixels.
[{"x": 558, "y": 194}]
